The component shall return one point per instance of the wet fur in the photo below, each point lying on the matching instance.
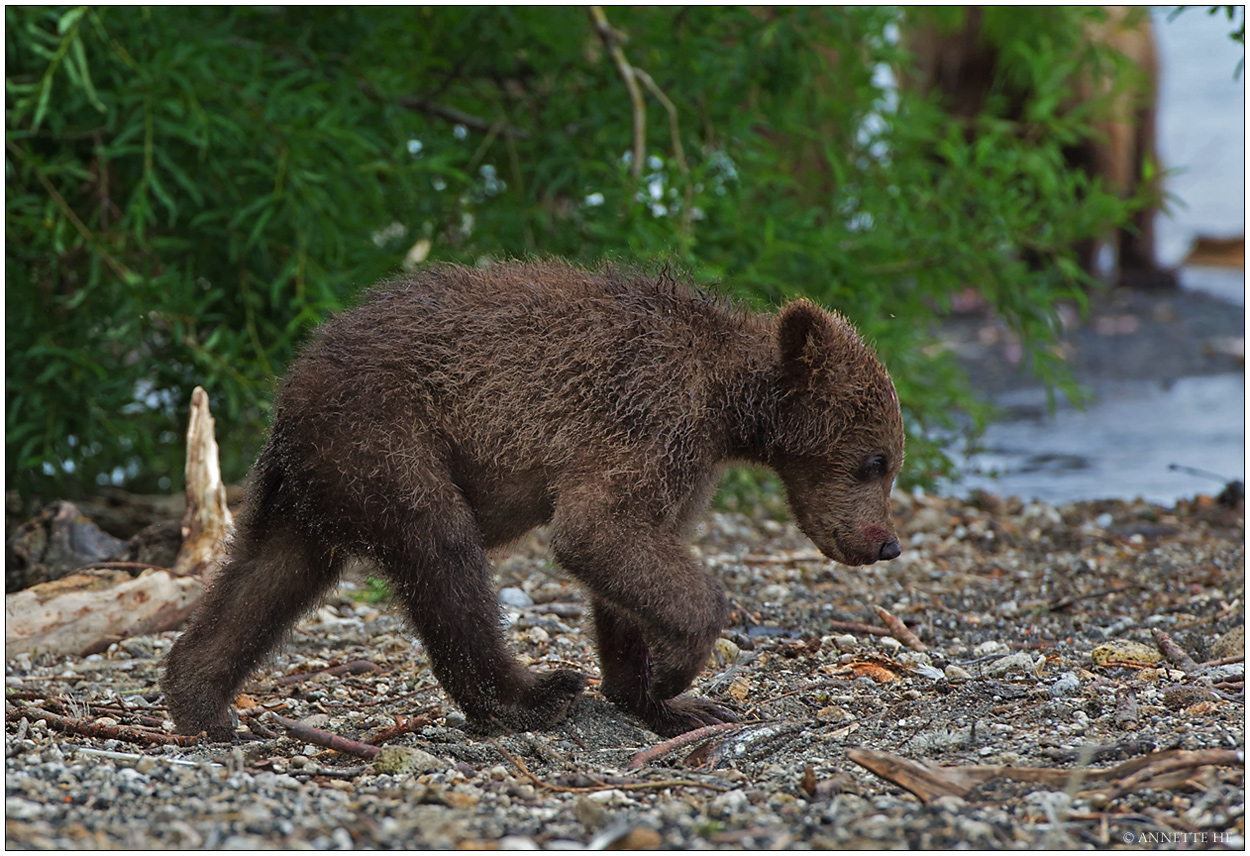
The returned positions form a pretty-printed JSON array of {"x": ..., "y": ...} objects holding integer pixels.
[{"x": 456, "y": 409}]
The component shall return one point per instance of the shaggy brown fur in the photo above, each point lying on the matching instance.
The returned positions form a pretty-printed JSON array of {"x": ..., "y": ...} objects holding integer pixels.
[{"x": 457, "y": 409}]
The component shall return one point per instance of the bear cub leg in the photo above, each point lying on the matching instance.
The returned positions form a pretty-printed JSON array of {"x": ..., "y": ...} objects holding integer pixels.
[
  {"x": 443, "y": 577},
  {"x": 273, "y": 576},
  {"x": 626, "y": 663}
]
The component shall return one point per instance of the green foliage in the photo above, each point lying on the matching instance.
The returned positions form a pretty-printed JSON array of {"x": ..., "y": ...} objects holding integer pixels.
[
  {"x": 376, "y": 590},
  {"x": 190, "y": 189}
]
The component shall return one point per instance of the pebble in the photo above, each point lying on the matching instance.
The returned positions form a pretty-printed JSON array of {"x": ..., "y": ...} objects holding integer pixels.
[
  {"x": 1065, "y": 685},
  {"x": 512, "y": 596},
  {"x": 1124, "y": 650},
  {"x": 1019, "y": 663}
]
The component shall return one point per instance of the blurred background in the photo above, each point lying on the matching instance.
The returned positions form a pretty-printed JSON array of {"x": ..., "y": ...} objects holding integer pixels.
[
  {"x": 1166, "y": 375},
  {"x": 190, "y": 190}
]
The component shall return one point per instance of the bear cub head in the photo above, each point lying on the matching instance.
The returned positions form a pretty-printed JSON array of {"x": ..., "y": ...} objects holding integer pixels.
[{"x": 838, "y": 442}]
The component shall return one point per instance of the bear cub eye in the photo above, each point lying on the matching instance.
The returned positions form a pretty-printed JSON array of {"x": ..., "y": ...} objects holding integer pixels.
[{"x": 874, "y": 467}]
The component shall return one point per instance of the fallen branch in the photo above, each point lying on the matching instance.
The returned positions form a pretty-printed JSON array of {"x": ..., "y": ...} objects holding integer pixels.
[
  {"x": 602, "y": 786},
  {"x": 1159, "y": 770},
  {"x": 325, "y": 739},
  {"x": 86, "y": 612},
  {"x": 900, "y": 631},
  {"x": 659, "y": 750},
  {"x": 95, "y": 729},
  {"x": 1175, "y": 654},
  {"x": 352, "y": 667}
]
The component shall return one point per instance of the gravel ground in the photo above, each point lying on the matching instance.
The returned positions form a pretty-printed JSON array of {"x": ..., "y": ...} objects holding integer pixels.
[{"x": 1027, "y": 613}]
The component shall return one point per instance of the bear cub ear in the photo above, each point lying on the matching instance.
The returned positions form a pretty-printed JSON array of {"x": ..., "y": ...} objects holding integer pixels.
[{"x": 803, "y": 329}]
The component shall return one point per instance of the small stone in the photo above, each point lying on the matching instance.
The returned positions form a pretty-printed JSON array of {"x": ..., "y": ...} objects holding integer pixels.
[
  {"x": 846, "y": 642},
  {"x": 394, "y": 760},
  {"x": 1231, "y": 644},
  {"x": 592, "y": 815},
  {"x": 957, "y": 673},
  {"x": 1065, "y": 685},
  {"x": 724, "y": 653},
  {"x": 1126, "y": 650},
  {"x": 512, "y": 596},
  {"x": 517, "y": 842},
  {"x": 989, "y": 648},
  {"x": 890, "y": 643},
  {"x": 1019, "y": 663},
  {"x": 773, "y": 593},
  {"x": 613, "y": 797},
  {"x": 639, "y": 838}
]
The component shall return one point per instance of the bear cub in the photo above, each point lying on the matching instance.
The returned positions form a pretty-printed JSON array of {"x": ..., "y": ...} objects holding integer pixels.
[{"x": 456, "y": 409}]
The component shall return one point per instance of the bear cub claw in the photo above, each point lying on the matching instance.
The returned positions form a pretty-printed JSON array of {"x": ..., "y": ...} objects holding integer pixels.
[{"x": 686, "y": 713}]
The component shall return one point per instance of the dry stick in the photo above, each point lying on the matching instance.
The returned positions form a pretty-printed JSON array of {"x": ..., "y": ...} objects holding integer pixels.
[
  {"x": 120, "y": 566},
  {"x": 900, "y": 631},
  {"x": 94, "y": 729},
  {"x": 317, "y": 737},
  {"x": 1223, "y": 661},
  {"x": 612, "y": 41},
  {"x": 352, "y": 667},
  {"x": 1174, "y": 654},
  {"x": 255, "y": 726},
  {"x": 386, "y": 735},
  {"x": 659, "y": 750},
  {"x": 1179, "y": 761},
  {"x": 604, "y": 786}
]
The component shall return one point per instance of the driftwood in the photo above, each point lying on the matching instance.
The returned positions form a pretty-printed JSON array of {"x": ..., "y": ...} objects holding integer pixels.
[
  {"x": 207, "y": 520},
  {"x": 85, "y": 612}
]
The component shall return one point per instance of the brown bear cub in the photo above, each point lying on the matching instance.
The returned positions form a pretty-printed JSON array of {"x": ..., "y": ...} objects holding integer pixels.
[{"x": 457, "y": 409}]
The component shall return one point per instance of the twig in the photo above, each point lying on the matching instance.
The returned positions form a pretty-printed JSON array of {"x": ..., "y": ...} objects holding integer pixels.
[
  {"x": 120, "y": 566},
  {"x": 133, "y": 756},
  {"x": 646, "y": 756},
  {"x": 612, "y": 41},
  {"x": 1174, "y": 654},
  {"x": 352, "y": 667},
  {"x": 95, "y": 729},
  {"x": 332, "y": 772},
  {"x": 679, "y": 153},
  {"x": 253, "y": 723},
  {"x": 386, "y": 735},
  {"x": 900, "y": 631},
  {"x": 317, "y": 737},
  {"x": 1223, "y": 661},
  {"x": 603, "y": 786}
]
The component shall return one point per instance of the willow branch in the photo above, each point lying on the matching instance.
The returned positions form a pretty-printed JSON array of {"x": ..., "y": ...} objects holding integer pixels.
[{"x": 612, "y": 41}]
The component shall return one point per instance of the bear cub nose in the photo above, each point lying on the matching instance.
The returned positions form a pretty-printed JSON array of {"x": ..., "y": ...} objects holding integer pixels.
[{"x": 890, "y": 550}]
